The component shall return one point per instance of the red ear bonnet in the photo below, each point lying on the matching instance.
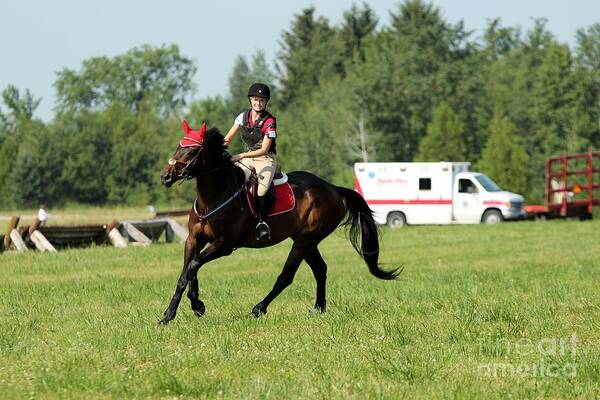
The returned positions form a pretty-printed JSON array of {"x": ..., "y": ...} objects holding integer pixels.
[
  {"x": 186, "y": 127},
  {"x": 192, "y": 138}
]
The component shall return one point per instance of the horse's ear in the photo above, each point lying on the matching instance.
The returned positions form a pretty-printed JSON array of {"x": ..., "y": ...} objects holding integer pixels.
[
  {"x": 203, "y": 128},
  {"x": 186, "y": 127}
]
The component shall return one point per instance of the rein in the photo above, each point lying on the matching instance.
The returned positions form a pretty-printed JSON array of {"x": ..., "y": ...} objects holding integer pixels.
[
  {"x": 208, "y": 171},
  {"x": 186, "y": 174},
  {"x": 204, "y": 218},
  {"x": 185, "y": 171}
]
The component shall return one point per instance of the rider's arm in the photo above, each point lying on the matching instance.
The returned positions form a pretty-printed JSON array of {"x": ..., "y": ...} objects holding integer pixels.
[
  {"x": 231, "y": 134},
  {"x": 264, "y": 149}
]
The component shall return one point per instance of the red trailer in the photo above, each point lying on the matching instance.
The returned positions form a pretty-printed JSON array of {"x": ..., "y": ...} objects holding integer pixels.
[{"x": 572, "y": 187}]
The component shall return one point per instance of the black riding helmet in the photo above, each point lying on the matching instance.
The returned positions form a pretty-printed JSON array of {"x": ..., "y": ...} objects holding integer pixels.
[{"x": 259, "y": 90}]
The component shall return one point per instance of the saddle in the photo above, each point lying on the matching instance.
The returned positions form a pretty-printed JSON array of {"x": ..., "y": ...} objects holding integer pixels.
[{"x": 252, "y": 192}]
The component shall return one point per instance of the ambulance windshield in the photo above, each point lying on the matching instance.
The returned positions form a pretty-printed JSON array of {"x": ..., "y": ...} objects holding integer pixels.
[{"x": 488, "y": 184}]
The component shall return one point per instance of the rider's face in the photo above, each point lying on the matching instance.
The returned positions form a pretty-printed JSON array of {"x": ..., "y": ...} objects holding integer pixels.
[{"x": 258, "y": 104}]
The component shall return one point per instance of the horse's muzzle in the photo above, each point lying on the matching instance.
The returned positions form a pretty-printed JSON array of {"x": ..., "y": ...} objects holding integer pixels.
[{"x": 166, "y": 178}]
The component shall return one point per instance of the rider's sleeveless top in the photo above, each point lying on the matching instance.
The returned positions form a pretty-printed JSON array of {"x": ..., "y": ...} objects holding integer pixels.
[{"x": 253, "y": 135}]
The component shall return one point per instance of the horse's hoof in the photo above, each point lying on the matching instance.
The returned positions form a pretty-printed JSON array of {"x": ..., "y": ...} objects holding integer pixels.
[
  {"x": 199, "y": 310},
  {"x": 259, "y": 310},
  {"x": 168, "y": 317},
  {"x": 318, "y": 310}
]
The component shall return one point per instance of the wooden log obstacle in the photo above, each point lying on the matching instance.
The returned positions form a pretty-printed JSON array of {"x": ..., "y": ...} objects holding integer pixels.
[
  {"x": 147, "y": 231},
  {"x": 117, "y": 233},
  {"x": 13, "y": 237}
]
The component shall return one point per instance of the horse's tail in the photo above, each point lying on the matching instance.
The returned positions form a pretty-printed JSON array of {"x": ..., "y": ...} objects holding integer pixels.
[{"x": 362, "y": 225}]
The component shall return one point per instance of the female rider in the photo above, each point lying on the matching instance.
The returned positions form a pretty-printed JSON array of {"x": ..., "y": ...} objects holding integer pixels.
[{"x": 259, "y": 130}]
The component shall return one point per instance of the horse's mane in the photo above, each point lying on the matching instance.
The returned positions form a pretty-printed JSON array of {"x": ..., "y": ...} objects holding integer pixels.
[{"x": 213, "y": 142}]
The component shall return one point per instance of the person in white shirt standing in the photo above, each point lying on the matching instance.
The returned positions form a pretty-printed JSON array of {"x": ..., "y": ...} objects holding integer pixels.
[{"x": 42, "y": 215}]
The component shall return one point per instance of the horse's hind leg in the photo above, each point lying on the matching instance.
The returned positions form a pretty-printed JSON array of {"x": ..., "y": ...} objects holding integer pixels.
[
  {"x": 285, "y": 278},
  {"x": 319, "y": 269}
]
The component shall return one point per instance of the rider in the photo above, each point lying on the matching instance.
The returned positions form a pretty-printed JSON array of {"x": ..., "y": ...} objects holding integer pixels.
[{"x": 259, "y": 130}]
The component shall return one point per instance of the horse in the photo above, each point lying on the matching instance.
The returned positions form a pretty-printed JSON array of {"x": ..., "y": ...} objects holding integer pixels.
[{"x": 221, "y": 220}]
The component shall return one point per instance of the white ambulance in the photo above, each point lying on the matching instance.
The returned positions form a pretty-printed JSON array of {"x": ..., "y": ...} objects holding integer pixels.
[{"x": 433, "y": 193}]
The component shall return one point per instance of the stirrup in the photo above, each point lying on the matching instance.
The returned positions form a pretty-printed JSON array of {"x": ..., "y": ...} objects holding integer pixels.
[{"x": 262, "y": 231}]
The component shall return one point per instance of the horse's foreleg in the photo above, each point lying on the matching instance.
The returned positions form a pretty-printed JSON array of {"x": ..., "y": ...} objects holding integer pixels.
[
  {"x": 194, "y": 290},
  {"x": 191, "y": 249},
  {"x": 194, "y": 296},
  {"x": 319, "y": 269},
  {"x": 285, "y": 278},
  {"x": 211, "y": 252},
  {"x": 179, "y": 289}
]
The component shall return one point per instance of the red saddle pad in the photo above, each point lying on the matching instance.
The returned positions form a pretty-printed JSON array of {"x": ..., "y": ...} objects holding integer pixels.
[{"x": 285, "y": 200}]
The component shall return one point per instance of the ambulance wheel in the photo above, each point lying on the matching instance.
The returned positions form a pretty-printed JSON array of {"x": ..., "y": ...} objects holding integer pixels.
[
  {"x": 396, "y": 219},
  {"x": 492, "y": 217}
]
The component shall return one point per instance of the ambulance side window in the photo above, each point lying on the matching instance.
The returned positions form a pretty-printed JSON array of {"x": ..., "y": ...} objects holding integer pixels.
[
  {"x": 466, "y": 186},
  {"x": 424, "y": 183}
]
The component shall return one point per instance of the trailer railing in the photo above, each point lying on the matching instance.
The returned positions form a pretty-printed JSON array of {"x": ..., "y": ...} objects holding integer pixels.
[{"x": 570, "y": 183}]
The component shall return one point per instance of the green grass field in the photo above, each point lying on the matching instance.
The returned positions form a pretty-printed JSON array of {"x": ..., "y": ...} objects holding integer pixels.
[{"x": 508, "y": 311}]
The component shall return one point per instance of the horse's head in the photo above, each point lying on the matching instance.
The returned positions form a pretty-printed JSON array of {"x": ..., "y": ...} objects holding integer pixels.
[{"x": 199, "y": 150}]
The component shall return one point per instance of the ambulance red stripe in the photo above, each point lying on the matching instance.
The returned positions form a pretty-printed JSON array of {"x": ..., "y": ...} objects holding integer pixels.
[{"x": 420, "y": 202}]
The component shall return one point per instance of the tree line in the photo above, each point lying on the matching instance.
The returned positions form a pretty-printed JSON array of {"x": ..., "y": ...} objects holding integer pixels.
[{"x": 417, "y": 89}]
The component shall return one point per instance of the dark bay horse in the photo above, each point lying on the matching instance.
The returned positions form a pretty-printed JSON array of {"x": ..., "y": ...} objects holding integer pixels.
[{"x": 222, "y": 221}]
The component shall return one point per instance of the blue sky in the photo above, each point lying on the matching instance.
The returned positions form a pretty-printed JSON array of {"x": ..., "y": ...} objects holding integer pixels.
[{"x": 38, "y": 38}]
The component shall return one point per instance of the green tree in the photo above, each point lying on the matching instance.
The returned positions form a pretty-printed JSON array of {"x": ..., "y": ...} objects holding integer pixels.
[
  {"x": 9, "y": 151},
  {"x": 587, "y": 59},
  {"x": 141, "y": 75},
  {"x": 239, "y": 81},
  {"x": 499, "y": 72},
  {"x": 140, "y": 146},
  {"x": 503, "y": 158},
  {"x": 34, "y": 173},
  {"x": 420, "y": 23},
  {"x": 357, "y": 25},
  {"x": 554, "y": 109},
  {"x": 212, "y": 110},
  {"x": 499, "y": 40},
  {"x": 311, "y": 52},
  {"x": 588, "y": 47},
  {"x": 117, "y": 118},
  {"x": 320, "y": 143},
  {"x": 20, "y": 137},
  {"x": 85, "y": 147},
  {"x": 511, "y": 76},
  {"x": 380, "y": 88},
  {"x": 410, "y": 67},
  {"x": 444, "y": 140},
  {"x": 21, "y": 107}
]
